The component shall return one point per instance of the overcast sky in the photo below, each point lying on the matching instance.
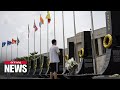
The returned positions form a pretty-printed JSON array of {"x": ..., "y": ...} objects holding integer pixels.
[{"x": 15, "y": 23}]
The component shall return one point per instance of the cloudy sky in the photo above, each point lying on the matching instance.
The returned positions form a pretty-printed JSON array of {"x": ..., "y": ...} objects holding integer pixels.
[{"x": 15, "y": 23}]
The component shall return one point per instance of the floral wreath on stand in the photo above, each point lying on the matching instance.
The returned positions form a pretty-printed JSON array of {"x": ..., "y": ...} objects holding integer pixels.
[{"x": 71, "y": 65}]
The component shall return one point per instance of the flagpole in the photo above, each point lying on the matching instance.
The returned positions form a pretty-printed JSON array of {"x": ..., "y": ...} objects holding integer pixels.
[
  {"x": 17, "y": 48},
  {"x": 93, "y": 45},
  {"x": 17, "y": 51},
  {"x": 1, "y": 53},
  {"x": 6, "y": 59},
  {"x": 54, "y": 26},
  {"x": 75, "y": 50},
  {"x": 6, "y": 52},
  {"x": 63, "y": 41},
  {"x": 47, "y": 39},
  {"x": 28, "y": 42},
  {"x": 40, "y": 40},
  {"x": 34, "y": 45},
  {"x": 11, "y": 52}
]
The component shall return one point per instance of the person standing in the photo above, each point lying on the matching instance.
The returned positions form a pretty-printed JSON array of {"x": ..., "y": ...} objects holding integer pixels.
[{"x": 54, "y": 59}]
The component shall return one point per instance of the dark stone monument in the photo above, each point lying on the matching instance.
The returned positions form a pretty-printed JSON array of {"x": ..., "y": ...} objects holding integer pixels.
[
  {"x": 86, "y": 65},
  {"x": 112, "y": 61},
  {"x": 71, "y": 49}
]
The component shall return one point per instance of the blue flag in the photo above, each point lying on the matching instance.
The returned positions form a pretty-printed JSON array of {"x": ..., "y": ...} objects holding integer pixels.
[
  {"x": 9, "y": 43},
  {"x": 3, "y": 44}
]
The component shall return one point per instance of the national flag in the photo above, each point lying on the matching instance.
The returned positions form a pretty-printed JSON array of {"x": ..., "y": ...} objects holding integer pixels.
[
  {"x": 3, "y": 44},
  {"x": 48, "y": 16},
  {"x": 34, "y": 26},
  {"x": 41, "y": 21},
  {"x": 9, "y": 43},
  {"x": 13, "y": 41},
  {"x": 18, "y": 41}
]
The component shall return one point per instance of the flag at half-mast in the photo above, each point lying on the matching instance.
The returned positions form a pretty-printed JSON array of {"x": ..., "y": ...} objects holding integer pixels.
[
  {"x": 41, "y": 21},
  {"x": 3, "y": 44},
  {"x": 34, "y": 26},
  {"x": 13, "y": 41},
  {"x": 18, "y": 41},
  {"x": 48, "y": 17},
  {"x": 9, "y": 43}
]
